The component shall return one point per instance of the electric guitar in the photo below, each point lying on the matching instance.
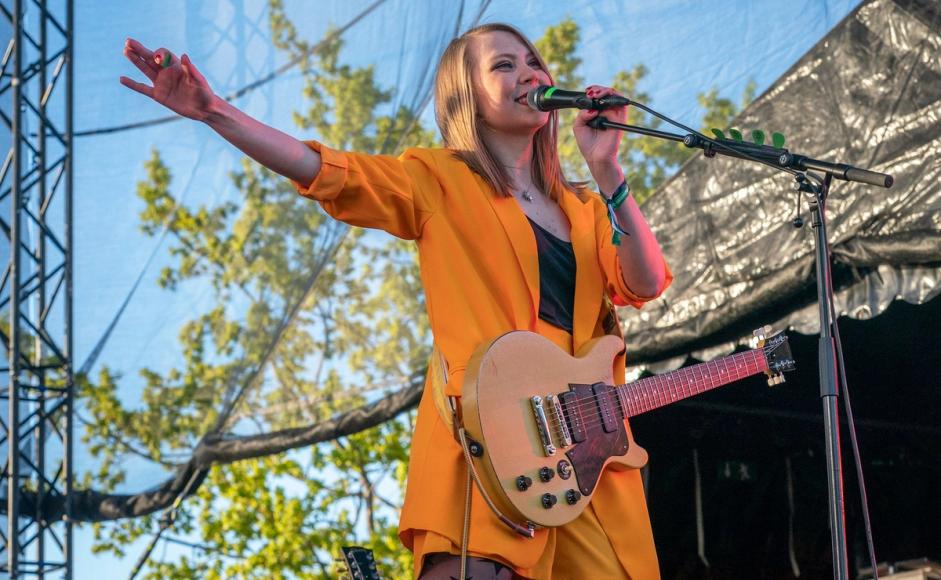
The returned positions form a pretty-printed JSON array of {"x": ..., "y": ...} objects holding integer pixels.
[{"x": 543, "y": 425}]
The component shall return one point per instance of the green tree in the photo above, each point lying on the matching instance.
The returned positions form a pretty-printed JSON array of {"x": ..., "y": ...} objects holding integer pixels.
[
  {"x": 647, "y": 161},
  {"x": 361, "y": 322},
  {"x": 283, "y": 348}
]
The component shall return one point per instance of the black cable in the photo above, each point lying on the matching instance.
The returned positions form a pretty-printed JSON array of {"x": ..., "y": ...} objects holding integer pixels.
[{"x": 848, "y": 409}]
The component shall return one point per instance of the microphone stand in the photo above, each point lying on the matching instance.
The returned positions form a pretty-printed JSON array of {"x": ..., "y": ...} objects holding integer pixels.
[{"x": 827, "y": 347}]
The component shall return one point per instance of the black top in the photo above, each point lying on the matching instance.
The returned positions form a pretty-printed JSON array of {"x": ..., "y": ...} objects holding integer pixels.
[{"x": 556, "y": 278}]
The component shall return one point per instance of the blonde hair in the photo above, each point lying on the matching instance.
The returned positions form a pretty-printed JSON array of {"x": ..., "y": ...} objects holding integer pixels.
[{"x": 460, "y": 125}]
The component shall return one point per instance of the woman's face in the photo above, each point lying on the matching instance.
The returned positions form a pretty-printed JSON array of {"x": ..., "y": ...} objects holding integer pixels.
[{"x": 505, "y": 71}]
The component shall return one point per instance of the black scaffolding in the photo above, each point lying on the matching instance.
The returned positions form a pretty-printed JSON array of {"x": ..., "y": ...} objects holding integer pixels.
[{"x": 36, "y": 383}]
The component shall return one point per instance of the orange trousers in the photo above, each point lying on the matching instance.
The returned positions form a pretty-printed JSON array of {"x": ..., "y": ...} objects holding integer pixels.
[{"x": 578, "y": 550}]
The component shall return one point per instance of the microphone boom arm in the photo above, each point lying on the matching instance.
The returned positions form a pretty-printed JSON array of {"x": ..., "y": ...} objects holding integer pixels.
[{"x": 777, "y": 157}]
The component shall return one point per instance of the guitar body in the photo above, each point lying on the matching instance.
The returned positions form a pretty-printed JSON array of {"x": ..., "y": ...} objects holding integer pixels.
[
  {"x": 501, "y": 381},
  {"x": 547, "y": 424}
]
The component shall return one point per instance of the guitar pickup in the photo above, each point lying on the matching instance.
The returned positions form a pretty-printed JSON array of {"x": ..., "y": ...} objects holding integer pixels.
[
  {"x": 542, "y": 425},
  {"x": 555, "y": 409},
  {"x": 573, "y": 416},
  {"x": 603, "y": 393}
]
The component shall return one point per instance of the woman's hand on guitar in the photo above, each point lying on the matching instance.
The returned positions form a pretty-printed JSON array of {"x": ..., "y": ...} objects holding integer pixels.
[{"x": 175, "y": 82}]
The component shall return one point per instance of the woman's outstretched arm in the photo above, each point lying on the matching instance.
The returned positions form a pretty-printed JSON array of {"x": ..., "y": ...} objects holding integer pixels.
[{"x": 179, "y": 86}]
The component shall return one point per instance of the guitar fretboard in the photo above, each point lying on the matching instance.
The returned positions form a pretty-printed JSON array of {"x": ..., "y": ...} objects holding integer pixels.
[{"x": 655, "y": 392}]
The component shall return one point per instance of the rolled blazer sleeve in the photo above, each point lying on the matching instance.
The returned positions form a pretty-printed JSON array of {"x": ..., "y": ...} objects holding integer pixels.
[
  {"x": 397, "y": 195},
  {"x": 615, "y": 287}
]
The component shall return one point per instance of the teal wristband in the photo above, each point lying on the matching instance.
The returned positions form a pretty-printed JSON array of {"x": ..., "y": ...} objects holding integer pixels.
[{"x": 620, "y": 194}]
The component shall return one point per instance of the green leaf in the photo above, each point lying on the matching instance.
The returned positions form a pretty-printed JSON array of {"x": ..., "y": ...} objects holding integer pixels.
[
  {"x": 777, "y": 139},
  {"x": 736, "y": 134},
  {"x": 718, "y": 133},
  {"x": 758, "y": 137}
]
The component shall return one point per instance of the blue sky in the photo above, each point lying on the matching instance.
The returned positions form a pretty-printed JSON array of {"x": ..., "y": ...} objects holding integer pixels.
[{"x": 689, "y": 47}]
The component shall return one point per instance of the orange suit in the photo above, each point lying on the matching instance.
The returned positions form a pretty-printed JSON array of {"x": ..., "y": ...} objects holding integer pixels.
[{"x": 480, "y": 271}]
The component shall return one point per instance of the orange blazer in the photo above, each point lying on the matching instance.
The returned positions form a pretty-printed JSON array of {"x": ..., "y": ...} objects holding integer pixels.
[{"x": 480, "y": 270}]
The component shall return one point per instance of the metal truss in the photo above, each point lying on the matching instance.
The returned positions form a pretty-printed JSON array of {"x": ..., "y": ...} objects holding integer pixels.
[{"x": 36, "y": 386}]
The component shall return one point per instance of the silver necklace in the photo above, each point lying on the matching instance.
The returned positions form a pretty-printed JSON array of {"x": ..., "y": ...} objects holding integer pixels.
[{"x": 527, "y": 196}]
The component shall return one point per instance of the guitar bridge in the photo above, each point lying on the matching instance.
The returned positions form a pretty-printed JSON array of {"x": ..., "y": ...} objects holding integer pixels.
[
  {"x": 555, "y": 409},
  {"x": 542, "y": 425}
]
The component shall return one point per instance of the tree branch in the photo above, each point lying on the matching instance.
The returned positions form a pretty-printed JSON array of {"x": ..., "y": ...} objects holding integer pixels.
[{"x": 93, "y": 506}]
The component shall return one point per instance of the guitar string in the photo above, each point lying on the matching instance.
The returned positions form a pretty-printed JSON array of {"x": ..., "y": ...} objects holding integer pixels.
[
  {"x": 586, "y": 403},
  {"x": 596, "y": 419},
  {"x": 659, "y": 399}
]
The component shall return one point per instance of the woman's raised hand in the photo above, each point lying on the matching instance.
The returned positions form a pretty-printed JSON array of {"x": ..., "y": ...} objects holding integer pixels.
[
  {"x": 598, "y": 147},
  {"x": 176, "y": 84}
]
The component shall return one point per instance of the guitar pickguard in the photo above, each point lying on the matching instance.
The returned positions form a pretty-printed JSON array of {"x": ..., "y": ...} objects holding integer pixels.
[{"x": 589, "y": 456}]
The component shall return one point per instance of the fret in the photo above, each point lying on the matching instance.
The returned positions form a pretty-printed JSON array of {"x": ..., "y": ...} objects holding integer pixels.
[
  {"x": 689, "y": 383},
  {"x": 652, "y": 393},
  {"x": 676, "y": 387},
  {"x": 623, "y": 406},
  {"x": 634, "y": 397},
  {"x": 648, "y": 393},
  {"x": 642, "y": 393},
  {"x": 645, "y": 393}
]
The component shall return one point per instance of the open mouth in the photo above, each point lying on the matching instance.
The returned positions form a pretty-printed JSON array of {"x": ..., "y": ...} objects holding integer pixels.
[{"x": 521, "y": 99}]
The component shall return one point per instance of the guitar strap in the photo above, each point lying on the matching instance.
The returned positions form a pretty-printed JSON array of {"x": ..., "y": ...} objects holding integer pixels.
[{"x": 449, "y": 408}]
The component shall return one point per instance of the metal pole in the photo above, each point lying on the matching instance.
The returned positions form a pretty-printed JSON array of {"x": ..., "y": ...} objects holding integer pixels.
[
  {"x": 13, "y": 399},
  {"x": 67, "y": 346},
  {"x": 829, "y": 392}
]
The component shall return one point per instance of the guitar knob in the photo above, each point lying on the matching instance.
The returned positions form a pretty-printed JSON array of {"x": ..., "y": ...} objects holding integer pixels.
[
  {"x": 475, "y": 448},
  {"x": 546, "y": 473},
  {"x": 523, "y": 483},
  {"x": 549, "y": 500},
  {"x": 572, "y": 496},
  {"x": 565, "y": 469}
]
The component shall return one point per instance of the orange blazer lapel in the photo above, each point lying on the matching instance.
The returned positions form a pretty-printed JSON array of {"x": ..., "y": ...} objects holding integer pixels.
[
  {"x": 523, "y": 241},
  {"x": 588, "y": 275}
]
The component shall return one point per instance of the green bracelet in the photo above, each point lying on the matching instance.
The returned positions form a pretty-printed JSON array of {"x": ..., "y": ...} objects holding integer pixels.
[{"x": 620, "y": 194}]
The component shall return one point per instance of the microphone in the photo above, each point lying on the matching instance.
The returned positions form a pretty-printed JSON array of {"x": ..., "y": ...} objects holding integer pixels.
[{"x": 546, "y": 98}]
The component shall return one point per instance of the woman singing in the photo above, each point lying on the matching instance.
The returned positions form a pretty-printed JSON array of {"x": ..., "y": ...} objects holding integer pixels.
[{"x": 505, "y": 243}]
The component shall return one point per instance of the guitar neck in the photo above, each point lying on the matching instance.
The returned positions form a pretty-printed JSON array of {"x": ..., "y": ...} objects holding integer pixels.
[{"x": 657, "y": 391}]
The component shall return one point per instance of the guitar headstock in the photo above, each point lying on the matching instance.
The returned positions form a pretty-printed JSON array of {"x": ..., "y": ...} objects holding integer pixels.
[
  {"x": 360, "y": 563},
  {"x": 777, "y": 353}
]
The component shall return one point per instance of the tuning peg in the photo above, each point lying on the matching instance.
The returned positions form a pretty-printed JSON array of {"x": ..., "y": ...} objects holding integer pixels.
[
  {"x": 775, "y": 379},
  {"x": 759, "y": 335}
]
